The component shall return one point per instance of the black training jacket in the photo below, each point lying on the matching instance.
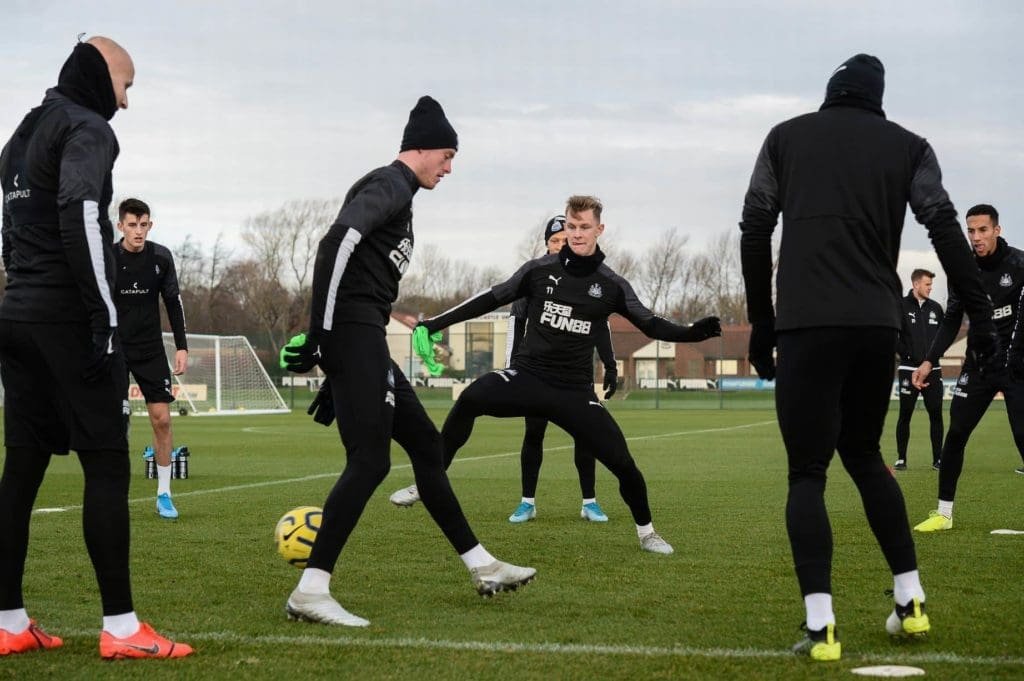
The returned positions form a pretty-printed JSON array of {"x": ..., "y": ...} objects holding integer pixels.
[
  {"x": 842, "y": 178},
  {"x": 57, "y": 237},
  {"x": 517, "y": 320},
  {"x": 142, "y": 279},
  {"x": 1002, "y": 275},
  {"x": 920, "y": 325},
  {"x": 366, "y": 251},
  {"x": 569, "y": 300}
]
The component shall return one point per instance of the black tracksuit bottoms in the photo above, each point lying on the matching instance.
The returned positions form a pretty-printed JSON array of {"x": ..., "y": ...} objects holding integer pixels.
[
  {"x": 532, "y": 456},
  {"x": 972, "y": 396},
  {"x": 832, "y": 394},
  {"x": 932, "y": 395},
  {"x": 374, "y": 403},
  {"x": 576, "y": 410}
]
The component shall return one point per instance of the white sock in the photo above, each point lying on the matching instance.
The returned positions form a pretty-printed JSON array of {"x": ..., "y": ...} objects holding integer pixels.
[
  {"x": 644, "y": 530},
  {"x": 906, "y": 586},
  {"x": 163, "y": 479},
  {"x": 529, "y": 500},
  {"x": 819, "y": 611},
  {"x": 121, "y": 626},
  {"x": 477, "y": 557},
  {"x": 315, "y": 581},
  {"x": 14, "y": 621},
  {"x": 946, "y": 508},
  {"x": 589, "y": 501}
]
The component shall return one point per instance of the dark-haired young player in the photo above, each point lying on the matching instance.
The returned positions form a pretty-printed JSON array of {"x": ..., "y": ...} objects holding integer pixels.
[
  {"x": 145, "y": 274},
  {"x": 921, "y": 319},
  {"x": 570, "y": 294},
  {"x": 1002, "y": 275}
]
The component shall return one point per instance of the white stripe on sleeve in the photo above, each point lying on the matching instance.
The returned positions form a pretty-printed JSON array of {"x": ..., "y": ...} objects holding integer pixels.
[
  {"x": 94, "y": 239},
  {"x": 345, "y": 248}
]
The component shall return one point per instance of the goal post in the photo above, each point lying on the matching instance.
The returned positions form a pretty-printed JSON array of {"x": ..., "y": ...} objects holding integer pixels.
[{"x": 223, "y": 377}]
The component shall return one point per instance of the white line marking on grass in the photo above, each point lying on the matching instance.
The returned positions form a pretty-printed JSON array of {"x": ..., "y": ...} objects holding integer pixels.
[
  {"x": 342, "y": 641},
  {"x": 467, "y": 459}
]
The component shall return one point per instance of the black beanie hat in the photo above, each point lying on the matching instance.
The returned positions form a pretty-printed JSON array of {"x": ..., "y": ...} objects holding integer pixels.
[
  {"x": 554, "y": 225},
  {"x": 859, "y": 81},
  {"x": 428, "y": 128},
  {"x": 85, "y": 80}
]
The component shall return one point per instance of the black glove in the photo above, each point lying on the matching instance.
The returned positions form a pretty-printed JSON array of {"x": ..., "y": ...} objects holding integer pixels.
[
  {"x": 611, "y": 382},
  {"x": 104, "y": 346},
  {"x": 702, "y": 329},
  {"x": 301, "y": 354},
  {"x": 762, "y": 342},
  {"x": 985, "y": 351},
  {"x": 322, "y": 406}
]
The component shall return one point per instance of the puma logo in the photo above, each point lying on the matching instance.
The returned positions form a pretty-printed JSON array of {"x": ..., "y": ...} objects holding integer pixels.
[{"x": 554, "y": 279}]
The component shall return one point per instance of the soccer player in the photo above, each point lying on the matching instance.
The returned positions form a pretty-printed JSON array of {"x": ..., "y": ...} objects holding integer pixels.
[
  {"x": 921, "y": 319},
  {"x": 532, "y": 454},
  {"x": 64, "y": 374},
  {"x": 570, "y": 295},
  {"x": 145, "y": 273},
  {"x": 358, "y": 266},
  {"x": 842, "y": 178},
  {"x": 1002, "y": 273}
]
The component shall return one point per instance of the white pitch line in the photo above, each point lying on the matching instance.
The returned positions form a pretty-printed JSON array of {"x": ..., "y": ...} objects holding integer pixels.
[
  {"x": 318, "y": 476},
  {"x": 567, "y": 648}
]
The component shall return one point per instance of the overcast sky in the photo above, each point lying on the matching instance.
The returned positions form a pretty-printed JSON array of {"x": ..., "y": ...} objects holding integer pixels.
[{"x": 657, "y": 107}]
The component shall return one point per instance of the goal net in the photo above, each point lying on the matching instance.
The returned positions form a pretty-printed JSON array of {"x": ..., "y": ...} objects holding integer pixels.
[{"x": 223, "y": 376}]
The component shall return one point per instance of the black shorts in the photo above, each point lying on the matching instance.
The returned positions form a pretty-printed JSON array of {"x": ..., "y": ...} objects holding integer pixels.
[
  {"x": 47, "y": 403},
  {"x": 153, "y": 376}
]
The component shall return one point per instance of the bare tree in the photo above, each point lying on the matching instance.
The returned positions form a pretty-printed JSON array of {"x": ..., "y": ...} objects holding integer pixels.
[
  {"x": 531, "y": 243},
  {"x": 661, "y": 272}
]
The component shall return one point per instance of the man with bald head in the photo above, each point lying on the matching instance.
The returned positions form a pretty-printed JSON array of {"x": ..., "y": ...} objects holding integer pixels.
[{"x": 60, "y": 359}]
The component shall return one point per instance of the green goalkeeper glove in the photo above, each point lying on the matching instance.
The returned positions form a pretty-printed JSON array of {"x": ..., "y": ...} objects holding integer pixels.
[
  {"x": 423, "y": 344},
  {"x": 300, "y": 354}
]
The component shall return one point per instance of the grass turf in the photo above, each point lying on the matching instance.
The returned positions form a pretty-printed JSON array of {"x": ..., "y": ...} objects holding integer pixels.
[{"x": 725, "y": 605}]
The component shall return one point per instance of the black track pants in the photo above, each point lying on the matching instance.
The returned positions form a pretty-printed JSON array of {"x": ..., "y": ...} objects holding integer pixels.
[
  {"x": 532, "y": 456},
  {"x": 374, "y": 403},
  {"x": 932, "y": 395},
  {"x": 832, "y": 394}
]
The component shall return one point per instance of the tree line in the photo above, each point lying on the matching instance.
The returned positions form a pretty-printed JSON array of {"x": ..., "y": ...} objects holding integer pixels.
[{"x": 261, "y": 288}]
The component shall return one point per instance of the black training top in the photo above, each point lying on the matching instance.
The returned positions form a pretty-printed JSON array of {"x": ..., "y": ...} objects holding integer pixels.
[
  {"x": 842, "y": 178},
  {"x": 143, "y": 278},
  {"x": 366, "y": 251},
  {"x": 57, "y": 238},
  {"x": 517, "y": 320},
  {"x": 1002, "y": 275},
  {"x": 921, "y": 322},
  {"x": 569, "y": 300}
]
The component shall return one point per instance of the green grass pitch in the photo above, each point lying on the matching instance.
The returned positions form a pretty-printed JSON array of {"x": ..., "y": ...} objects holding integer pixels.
[{"x": 725, "y": 605}]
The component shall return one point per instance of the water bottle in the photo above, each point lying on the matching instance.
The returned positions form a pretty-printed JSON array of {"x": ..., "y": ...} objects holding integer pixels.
[
  {"x": 181, "y": 462},
  {"x": 147, "y": 457}
]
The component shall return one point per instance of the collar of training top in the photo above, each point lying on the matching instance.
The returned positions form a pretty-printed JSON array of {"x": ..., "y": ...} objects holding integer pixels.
[
  {"x": 85, "y": 80},
  {"x": 408, "y": 174},
  {"x": 578, "y": 265}
]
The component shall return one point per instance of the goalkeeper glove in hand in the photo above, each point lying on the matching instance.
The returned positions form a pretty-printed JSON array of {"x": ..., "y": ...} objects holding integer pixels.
[
  {"x": 702, "y": 329},
  {"x": 611, "y": 382},
  {"x": 322, "y": 406},
  {"x": 101, "y": 352},
  {"x": 762, "y": 343},
  {"x": 423, "y": 344},
  {"x": 301, "y": 353}
]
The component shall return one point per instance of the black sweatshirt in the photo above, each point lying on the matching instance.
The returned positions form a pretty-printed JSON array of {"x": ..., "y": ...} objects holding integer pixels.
[
  {"x": 517, "y": 320},
  {"x": 142, "y": 279},
  {"x": 57, "y": 238},
  {"x": 366, "y": 251},
  {"x": 842, "y": 178},
  {"x": 570, "y": 298},
  {"x": 921, "y": 320}
]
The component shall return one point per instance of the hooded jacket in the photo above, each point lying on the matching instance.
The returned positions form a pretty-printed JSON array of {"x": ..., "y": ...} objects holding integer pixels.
[
  {"x": 56, "y": 177},
  {"x": 842, "y": 178},
  {"x": 921, "y": 321}
]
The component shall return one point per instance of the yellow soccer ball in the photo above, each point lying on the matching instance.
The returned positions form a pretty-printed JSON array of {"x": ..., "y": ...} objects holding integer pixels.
[{"x": 295, "y": 533}]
